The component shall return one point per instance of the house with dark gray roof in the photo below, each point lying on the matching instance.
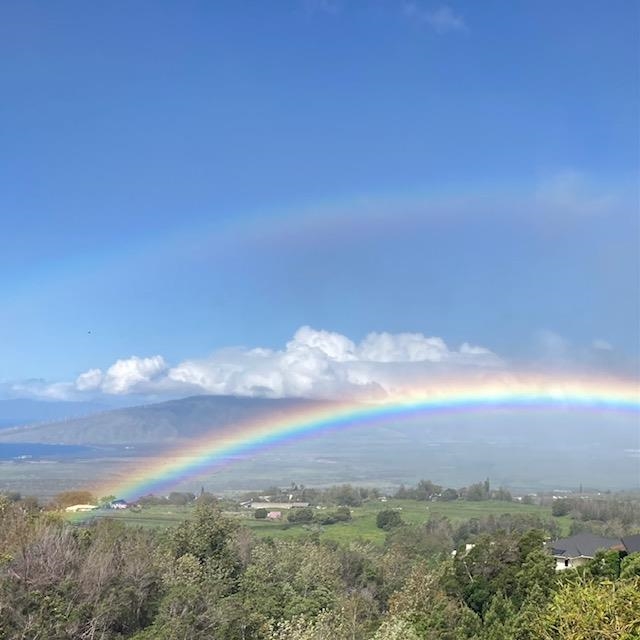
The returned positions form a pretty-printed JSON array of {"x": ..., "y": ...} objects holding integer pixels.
[
  {"x": 631, "y": 543},
  {"x": 577, "y": 550}
]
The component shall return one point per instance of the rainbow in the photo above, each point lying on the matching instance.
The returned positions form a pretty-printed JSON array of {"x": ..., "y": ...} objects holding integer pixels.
[
  {"x": 278, "y": 225},
  {"x": 190, "y": 460}
]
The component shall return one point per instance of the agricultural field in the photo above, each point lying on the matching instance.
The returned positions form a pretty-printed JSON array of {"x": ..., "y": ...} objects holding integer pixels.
[{"x": 362, "y": 525}]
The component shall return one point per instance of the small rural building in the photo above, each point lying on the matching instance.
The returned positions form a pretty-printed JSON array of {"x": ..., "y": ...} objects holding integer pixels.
[
  {"x": 577, "y": 550},
  {"x": 76, "y": 508},
  {"x": 274, "y": 515},
  {"x": 467, "y": 548},
  {"x": 118, "y": 504},
  {"x": 278, "y": 505}
]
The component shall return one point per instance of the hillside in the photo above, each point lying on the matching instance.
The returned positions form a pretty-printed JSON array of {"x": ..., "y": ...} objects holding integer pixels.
[
  {"x": 159, "y": 423},
  {"x": 16, "y": 412}
]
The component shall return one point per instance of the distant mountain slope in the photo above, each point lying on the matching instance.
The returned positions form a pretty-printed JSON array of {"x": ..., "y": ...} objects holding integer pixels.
[
  {"x": 159, "y": 423},
  {"x": 14, "y": 412}
]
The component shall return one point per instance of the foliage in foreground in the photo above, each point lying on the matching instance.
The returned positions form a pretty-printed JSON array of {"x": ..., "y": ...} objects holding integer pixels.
[{"x": 210, "y": 578}]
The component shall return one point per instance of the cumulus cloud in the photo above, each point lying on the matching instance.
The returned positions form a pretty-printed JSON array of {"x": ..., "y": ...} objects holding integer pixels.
[
  {"x": 89, "y": 380},
  {"x": 327, "y": 364},
  {"x": 313, "y": 364},
  {"x": 442, "y": 20},
  {"x": 127, "y": 374},
  {"x": 124, "y": 376},
  {"x": 321, "y": 364}
]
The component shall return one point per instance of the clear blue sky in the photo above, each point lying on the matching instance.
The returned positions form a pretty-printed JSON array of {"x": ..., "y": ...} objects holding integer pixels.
[{"x": 177, "y": 177}]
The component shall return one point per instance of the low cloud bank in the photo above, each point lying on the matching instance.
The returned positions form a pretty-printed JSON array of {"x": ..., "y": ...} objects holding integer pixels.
[
  {"x": 316, "y": 364},
  {"x": 313, "y": 364}
]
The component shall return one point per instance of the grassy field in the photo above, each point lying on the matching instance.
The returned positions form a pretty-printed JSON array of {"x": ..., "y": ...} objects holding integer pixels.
[{"x": 362, "y": 525}]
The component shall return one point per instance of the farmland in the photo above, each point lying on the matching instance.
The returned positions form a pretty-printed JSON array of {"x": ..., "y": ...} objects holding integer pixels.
[{"x": 362, "y": 526}]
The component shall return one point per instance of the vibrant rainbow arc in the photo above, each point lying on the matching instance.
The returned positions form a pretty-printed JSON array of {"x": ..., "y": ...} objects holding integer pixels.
[{"x": 205, "y": 453}]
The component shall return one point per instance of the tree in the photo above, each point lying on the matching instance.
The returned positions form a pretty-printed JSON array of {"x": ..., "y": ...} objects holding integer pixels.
[
  {"x": 68, "y": 498},
  {"x": 347, "y": 495},
  {"x": 431, "y": 612},
  {"x": 396, "y": 629},
  {"x": 630, "y": 566},
  {"x": 448, "y": 495},
  {"x": 150, "y": 500},
  {"x": 300, "y": 514},
  {"x": 206, "y": 498},
  {"x": 287, "y": 578},
  {"x": 488, "y": 568},
  {"x": 538, "y": 572},
  {"x": 561, "y": 507},
  {"x": 502, "y": 494},
  {"x": 476, "y": 492},
  {"x": 181, "y": 498},
  {"x": 388, "y": 519},
  {"x": 605, "y": 565},
  {"x": 584, "y": 609},
  {"x": 260, "y": 514},
  {"x": 499, "y": 620},
  {"x": 343, "y": 514},
  {"x": 325, "y": 625},
  {"x": 208, "y": 536},
  {"x": 429, "y": 540},
  {"x": 426, "y": 490}
]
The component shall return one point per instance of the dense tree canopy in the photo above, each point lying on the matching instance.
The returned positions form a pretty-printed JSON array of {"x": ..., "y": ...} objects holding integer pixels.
[{"x": 211, "y": 578}]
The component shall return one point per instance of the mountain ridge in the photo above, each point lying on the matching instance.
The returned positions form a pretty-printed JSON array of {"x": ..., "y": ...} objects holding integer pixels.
[{"x": 155, "y": 423}]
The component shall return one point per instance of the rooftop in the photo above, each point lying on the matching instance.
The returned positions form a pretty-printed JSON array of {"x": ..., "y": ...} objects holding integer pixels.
[{"x": 582, "y": 544}]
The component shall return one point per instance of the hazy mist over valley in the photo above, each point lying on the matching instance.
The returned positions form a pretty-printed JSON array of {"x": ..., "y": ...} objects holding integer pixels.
[{"x": 550, "y": 450}]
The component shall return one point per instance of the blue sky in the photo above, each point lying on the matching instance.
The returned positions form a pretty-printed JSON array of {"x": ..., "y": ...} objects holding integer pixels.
[{"x": 178, "y": 178}]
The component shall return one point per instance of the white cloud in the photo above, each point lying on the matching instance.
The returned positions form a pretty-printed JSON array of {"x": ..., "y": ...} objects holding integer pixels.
[
  {"x": 327, "y": 364},
  {"x": 89, "y": 380},
  {"x": 403, "y": 347},
  {"x": 442, "y": 20},
  {"x": 314, "y": 363},
  {"x": 39, "y": 389},
  {"x": 333, "y": 345},
  {"x": 124, "y": 376},
  {"x": 321, "y": 364}
]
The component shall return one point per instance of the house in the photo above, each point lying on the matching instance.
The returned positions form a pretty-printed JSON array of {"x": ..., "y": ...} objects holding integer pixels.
[
  {"x": 118, "y": 504},
  {"x": 274, "y": 515},
  {"x": 631, "y": 544},
  {"x": 577, "y": 550},
  {"x": 77, "y": 508}
]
